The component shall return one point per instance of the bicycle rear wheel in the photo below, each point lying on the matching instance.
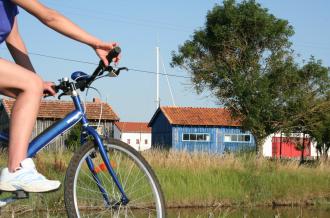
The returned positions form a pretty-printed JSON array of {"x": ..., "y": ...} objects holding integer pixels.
[{"x": 83, "y": 197}]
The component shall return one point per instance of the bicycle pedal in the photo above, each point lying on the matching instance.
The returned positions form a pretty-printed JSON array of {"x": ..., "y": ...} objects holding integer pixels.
[
  {"x": 17, "y": 195},
  {"x": 20, "y": 194}
]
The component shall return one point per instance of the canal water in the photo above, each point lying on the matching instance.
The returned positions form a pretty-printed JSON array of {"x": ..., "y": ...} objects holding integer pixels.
[
  {"x": 262, "y": 212},
  {"x": 259, "y": 212}
]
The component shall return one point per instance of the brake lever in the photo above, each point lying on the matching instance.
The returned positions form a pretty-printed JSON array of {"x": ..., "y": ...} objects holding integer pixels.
[
  {"x": 60, "y": 95},
  {"x": 115, "y": 73}
]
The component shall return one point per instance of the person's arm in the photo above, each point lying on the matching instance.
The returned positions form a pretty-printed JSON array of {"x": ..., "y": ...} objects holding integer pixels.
[
  {"x": 20, "y": 55},
  {"x": 17, "y": 48},
  {"x": 61, "y": 24}
]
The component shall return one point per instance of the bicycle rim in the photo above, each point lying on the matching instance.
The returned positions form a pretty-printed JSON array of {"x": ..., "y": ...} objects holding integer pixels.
[{"x": 135, "y": 176}]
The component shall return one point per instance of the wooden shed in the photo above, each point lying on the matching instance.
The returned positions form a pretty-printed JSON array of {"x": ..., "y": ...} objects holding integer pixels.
[
  {"x": 211, "y": 130},
  {"x": 51, "y": 110}
]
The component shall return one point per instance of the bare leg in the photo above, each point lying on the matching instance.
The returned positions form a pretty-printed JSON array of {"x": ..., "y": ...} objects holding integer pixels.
[{"x": 28, "y": 88}]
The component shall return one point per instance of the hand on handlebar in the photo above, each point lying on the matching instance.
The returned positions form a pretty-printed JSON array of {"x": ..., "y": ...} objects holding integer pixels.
[
  {"x": 49, "y": 89},
  {"x": 82, "y": 80},
  {"x": 102, "y": 49}
]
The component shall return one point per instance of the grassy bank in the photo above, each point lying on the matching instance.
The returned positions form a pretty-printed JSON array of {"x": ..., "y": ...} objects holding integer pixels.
[
  {"x": 209, "y": 180},
  {"x": 202, "y": 179}
]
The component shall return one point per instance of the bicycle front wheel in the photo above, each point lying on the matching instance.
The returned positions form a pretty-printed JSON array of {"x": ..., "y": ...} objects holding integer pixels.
[{"x": 83, "y": 197}]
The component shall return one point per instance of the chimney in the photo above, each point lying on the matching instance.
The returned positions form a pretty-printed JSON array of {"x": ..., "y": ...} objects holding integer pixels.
[{"x": 96, "y": 100}]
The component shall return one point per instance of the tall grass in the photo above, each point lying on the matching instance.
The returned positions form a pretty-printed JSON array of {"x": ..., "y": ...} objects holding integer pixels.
[
  {"x": 199, "y": 179},
  {"x": 209, "y": 180}
]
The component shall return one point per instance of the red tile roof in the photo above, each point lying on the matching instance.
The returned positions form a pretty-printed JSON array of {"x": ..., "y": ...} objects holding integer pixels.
[
  {"x": 190, "y": 116},
  {"x": 133, "y": 127},
  {"x": 58, "y": 109}
]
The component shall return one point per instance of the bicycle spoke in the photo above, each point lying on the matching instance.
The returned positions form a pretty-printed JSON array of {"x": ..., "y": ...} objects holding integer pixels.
[
  {"x": 137, "y": 182},
  {"x": 129, "y": 173},
  {"x": 119, "y": 162},
  {"x": 89, "y": 190},
  {"x": 89, "y": 199},
  {"x": 92, "y": 178}
]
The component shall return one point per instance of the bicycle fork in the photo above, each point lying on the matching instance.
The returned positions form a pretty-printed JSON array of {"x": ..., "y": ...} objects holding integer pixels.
[{"x": 104, "y": 154}]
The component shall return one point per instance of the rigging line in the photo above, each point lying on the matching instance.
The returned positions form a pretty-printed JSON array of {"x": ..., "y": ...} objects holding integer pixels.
[
  {"x": 163, "y": 74},
  {"x": 63, "y": 59},
  {"x": 96, "y": 13},
  {"x": 168, "y": 81},
  {"x": 132, "y": 22},
  {"x": 57, "y": 58},
  {"x": 91, "y": 63}
]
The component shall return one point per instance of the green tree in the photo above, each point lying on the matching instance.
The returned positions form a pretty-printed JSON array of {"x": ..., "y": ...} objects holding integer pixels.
[
  {"x": 73, "y": 139},
  {"x": 319, "y": 126},
  {"x": 308, "y": 105},
  {"x": 241, "y": 55},
  {"x": 322, "y": 136}
]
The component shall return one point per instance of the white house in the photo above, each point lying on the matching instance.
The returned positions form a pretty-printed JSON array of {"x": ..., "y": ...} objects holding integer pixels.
[
  {"x": 278, "y": 144},
  {"x": 136, "y": 134}
]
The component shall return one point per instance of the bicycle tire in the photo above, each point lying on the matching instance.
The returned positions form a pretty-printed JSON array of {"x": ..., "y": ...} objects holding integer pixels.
[{"x": 79, "y": 200}]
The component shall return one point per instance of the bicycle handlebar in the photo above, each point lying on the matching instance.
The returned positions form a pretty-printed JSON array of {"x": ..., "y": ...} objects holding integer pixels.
[
  {"x": 113, "y": 54},
  {"x": 82, "y": 84}
]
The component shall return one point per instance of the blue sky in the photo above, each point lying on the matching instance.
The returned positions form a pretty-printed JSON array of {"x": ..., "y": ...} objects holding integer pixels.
[{"x": 139, "y": 26}]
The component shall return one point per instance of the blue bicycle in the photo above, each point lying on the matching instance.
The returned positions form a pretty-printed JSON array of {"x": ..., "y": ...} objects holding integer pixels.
[{"x": 105, "y": 178}]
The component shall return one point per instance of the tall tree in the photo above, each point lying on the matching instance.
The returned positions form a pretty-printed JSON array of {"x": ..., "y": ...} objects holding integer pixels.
[
  {"x": 241, "y": 55},
  {"x": 307, "y": 103}
]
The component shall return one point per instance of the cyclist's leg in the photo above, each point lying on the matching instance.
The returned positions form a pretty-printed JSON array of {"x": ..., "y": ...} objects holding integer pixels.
[{"x": 27, "y": 88}]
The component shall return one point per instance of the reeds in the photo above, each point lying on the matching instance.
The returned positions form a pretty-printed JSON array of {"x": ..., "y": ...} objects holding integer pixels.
[{"x": 201, "y": 179}]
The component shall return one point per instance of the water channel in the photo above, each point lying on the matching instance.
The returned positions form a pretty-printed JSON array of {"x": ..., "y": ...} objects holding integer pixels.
[
  {"x": 262, "y": 212},
  {"x": 259, "y": 212}
]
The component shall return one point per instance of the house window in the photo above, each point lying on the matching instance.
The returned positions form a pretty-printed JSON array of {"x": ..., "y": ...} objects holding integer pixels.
[
  {"x": 238, "y": 138},
  {"x": 128, "y": 141},
  {"x": 200, "y": 137},
  {"x": 146, "y": 141},
  {"x": 137, "y": 141}
]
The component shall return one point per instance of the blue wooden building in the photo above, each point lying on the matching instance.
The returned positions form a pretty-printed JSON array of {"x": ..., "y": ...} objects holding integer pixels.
[{"x": 199, "y": 129}]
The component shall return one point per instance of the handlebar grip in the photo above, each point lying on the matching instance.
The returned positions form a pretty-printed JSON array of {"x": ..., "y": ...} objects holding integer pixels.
[
  {"x": 56, "y": 88},
  {"x": 113, "y": 53}
]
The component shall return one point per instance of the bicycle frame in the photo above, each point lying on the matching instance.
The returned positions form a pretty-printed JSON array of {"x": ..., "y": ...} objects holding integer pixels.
[{"x": 59, "y": 127}]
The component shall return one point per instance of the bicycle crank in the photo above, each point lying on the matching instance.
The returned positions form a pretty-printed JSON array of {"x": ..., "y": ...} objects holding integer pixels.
[{"x": 17, "y": 195}]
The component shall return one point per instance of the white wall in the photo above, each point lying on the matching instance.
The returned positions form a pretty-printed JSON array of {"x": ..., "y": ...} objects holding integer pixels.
[
  {"x": 141, "y": 137},
  {"x": 267, "y": 146},
  {"x": 133, "y": 137},
  {"x": 313, "y": 149}
]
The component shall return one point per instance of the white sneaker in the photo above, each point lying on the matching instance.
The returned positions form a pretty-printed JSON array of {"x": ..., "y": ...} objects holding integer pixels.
[{"x": 26, "y": 178}]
